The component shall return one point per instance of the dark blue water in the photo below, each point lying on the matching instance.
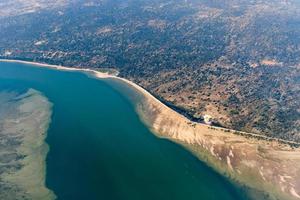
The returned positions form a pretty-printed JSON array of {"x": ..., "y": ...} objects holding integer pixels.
[{"x": 100, "y": 149}]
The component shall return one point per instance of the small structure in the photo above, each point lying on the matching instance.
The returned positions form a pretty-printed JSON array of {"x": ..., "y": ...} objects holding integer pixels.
[
  {"x": 7, "y": 53},
  {"x": 207, "y": 119}
]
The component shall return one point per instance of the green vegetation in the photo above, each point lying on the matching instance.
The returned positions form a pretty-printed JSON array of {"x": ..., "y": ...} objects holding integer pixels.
[{"x": 238, "y": 58}]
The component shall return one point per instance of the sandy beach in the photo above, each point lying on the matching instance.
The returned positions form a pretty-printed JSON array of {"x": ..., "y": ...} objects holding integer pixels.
[{"x": 267, "y": 167}]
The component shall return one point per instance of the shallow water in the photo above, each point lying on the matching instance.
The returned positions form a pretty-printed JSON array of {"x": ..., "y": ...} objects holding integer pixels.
[{"x": 100, "y": 149}]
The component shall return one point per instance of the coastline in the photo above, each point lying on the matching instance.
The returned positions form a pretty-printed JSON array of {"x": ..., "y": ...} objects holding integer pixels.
[
  {"x": 102, "y": 75},
  {"x": 251, "y": 161}
]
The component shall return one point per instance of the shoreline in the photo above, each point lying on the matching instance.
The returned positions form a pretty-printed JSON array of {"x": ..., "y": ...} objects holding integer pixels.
[
  {"x": 103, "y": 75},
  {"x": 248, "y": 159}
]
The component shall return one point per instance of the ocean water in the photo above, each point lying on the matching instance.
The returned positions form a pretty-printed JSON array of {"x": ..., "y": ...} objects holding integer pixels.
[{"x": 100, "y": 149}]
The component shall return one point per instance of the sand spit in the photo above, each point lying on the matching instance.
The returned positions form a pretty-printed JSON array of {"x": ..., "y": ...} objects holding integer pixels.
[
  {"x": 24, "y": 121},
  {"x": 268, "y": 168}
]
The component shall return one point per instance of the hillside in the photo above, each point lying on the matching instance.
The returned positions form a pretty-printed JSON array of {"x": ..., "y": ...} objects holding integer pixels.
[{"x": 235, "y": 60}]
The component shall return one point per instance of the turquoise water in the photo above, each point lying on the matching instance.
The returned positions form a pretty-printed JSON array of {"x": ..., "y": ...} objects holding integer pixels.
[{"x": 100, "y": 149}]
